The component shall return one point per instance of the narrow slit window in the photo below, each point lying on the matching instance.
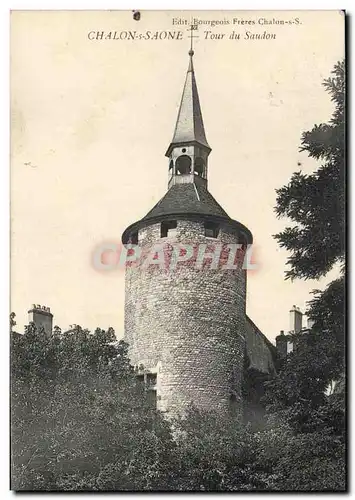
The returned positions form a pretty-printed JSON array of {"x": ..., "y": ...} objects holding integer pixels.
[
  {"x": 211, "y": 230},
  {"x": 168, "y": 229}
]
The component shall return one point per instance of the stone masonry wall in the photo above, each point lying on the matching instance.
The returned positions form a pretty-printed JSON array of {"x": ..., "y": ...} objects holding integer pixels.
[
  {"x": 258, "y": 349},
  {"x": 187, "y": 325}
]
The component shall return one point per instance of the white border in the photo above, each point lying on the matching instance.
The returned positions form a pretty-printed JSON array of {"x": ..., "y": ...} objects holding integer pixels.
[{"x": 176, "y": 5}]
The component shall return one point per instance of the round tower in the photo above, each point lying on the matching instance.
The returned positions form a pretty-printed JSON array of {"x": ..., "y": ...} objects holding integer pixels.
[{"x": 186, "y": 283}]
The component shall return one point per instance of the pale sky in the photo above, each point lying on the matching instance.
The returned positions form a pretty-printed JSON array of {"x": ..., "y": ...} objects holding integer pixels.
[{"x": 92, "y": 119}]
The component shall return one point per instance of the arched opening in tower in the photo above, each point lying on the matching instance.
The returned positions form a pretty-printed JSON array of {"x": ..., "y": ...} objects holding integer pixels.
[
  {"x": 199, "y": 166},
  {"x": 183, "y": 165}
]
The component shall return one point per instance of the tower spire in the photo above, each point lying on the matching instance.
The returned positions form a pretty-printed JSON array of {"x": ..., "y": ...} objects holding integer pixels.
[
  {"x": 189, "y": 149},
  {"x": 189, "y": 124}
]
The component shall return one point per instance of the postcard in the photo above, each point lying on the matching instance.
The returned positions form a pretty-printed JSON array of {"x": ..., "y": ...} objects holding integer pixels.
[{"x": 178, "y": 266}]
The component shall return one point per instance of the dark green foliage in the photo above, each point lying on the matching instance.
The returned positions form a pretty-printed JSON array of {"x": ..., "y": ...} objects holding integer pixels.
[
  {"x": 328, "y": 311},
  {"x": 301, "y": 462},
  {"x": 297, "y": 398},
  {"x": 253, "y": 388},
  {"x": 219, "y": 454},
  {"x": 214, "y": 453},
  {"x": 79, "y": 420},
  {"x": 316, "y": 202}
]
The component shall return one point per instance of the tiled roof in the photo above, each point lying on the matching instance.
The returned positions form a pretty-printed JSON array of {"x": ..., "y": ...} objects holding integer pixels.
[
  {"x": 189, "y": 199},
  {"x": 186, "y": 201}
]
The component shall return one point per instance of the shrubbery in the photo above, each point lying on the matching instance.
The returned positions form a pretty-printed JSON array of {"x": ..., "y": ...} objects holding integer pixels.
[{"x": 81, "y": 422}]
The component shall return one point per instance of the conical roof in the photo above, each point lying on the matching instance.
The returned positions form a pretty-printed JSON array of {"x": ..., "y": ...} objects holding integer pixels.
[
  {"x": 189, "y": 124},
  {"x": 187, "y": 199}
]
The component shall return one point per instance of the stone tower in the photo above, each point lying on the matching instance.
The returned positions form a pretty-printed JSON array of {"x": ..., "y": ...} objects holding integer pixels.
[{"x": 185, "y": 317}]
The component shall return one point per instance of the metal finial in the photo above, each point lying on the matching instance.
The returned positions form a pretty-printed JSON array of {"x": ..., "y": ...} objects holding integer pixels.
[{"x": 193, "y": 27}]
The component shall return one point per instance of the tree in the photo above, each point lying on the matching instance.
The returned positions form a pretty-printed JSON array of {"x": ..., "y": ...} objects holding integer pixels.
[
  {"x": 79, "y": 420},
  {"x": 217, "y": 453},
  {"x": 316, "y": 202},
  {"x": 296, "y": 398}
]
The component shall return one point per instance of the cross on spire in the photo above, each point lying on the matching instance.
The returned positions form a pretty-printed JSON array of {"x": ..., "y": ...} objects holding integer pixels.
[{"x": 193, "y": 27}]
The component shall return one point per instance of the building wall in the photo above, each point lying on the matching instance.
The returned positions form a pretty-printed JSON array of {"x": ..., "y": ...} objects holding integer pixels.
[
  {"x": 259, "y": 349},
  {"x": 188, "y": 325}
]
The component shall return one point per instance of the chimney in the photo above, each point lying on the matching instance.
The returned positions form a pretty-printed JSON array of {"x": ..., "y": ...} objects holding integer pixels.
[
  {"x": 41, "y": 316},
  {"x": 295, "y": 320},
  {"x": 281, "y": 344}
]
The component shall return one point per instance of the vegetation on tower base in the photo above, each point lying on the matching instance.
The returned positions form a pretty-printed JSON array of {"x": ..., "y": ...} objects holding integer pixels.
[{"x": 81, "y": 422}]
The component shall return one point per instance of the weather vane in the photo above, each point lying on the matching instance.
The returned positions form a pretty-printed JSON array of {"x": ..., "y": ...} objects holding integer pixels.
[{"x": 193, "y": 27}]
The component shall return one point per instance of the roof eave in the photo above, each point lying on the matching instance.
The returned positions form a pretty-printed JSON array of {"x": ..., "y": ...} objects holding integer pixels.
[
  {"x": 187, "y": 143},
  {"x": 187, "y": 216}
]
